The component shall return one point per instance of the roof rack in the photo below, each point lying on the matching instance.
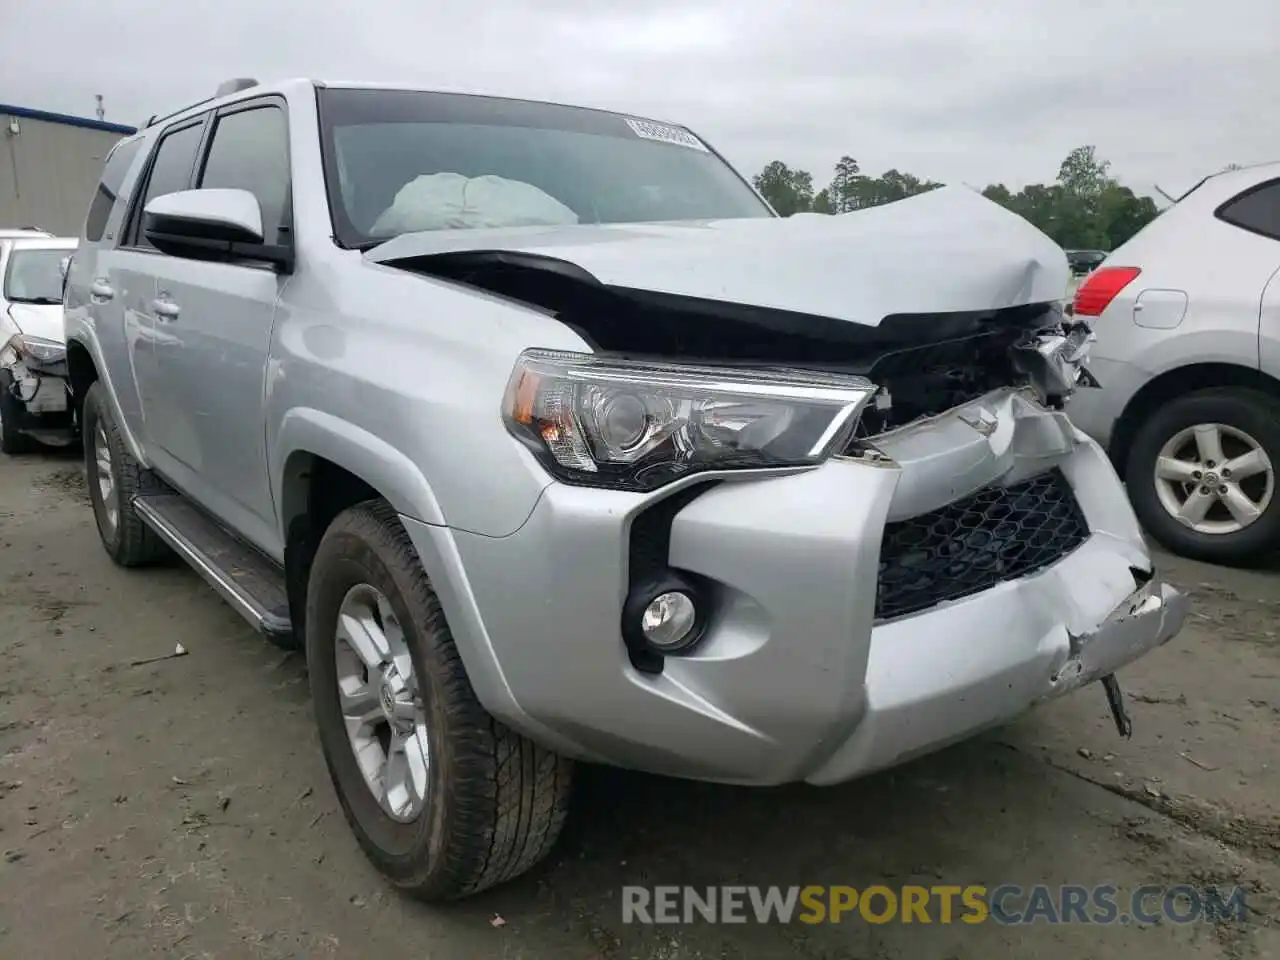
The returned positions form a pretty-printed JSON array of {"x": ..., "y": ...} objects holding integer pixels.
[{"x": 225, "y": 89}]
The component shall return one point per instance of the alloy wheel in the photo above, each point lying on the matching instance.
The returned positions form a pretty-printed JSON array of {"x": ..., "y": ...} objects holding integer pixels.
[
  {"x": 105, "y": 478},
  {"x": 1214, "y": 478},
  {"x": 381, "y": 703}
]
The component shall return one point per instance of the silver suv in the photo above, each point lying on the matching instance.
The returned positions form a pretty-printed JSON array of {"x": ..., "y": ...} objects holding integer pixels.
[{"x": 550, "y": 442}]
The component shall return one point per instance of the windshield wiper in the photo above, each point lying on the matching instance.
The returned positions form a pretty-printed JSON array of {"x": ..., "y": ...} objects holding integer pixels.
[{"x": 38, "y": 301}]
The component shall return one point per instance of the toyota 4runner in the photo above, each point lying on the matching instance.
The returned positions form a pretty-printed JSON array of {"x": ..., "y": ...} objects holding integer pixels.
[{"x": 550, "y": 442}]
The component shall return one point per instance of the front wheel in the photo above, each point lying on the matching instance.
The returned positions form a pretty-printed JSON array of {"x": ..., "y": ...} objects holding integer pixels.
[
  {"x": 1201, "y": 474},
  {"x": 444, "y": 800}
]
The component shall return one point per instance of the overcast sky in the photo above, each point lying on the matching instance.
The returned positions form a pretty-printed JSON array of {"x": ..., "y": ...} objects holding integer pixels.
[{"x": 957, "y": 91}]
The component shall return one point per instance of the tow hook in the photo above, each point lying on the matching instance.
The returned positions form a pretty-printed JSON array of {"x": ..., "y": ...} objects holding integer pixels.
[{"x": 1115, "y": 700}]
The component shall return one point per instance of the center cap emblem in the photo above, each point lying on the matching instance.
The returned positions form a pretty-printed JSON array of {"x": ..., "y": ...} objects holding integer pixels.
[{"x": 388, "y": 699}]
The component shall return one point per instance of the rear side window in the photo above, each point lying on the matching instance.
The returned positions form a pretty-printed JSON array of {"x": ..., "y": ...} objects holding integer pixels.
[
  {"x": 1256, "y": 210},
  {"x": 104, "y": 199},
  {"x": 170, "y": 171},
  {"x": 250, "y": 151}
]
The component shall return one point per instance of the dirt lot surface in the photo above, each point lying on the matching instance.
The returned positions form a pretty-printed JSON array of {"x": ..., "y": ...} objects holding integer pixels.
[{"x": 181, "y": 808}]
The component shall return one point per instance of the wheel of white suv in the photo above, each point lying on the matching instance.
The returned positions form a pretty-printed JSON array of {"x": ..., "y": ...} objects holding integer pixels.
[
  {"x": 444, "y": 799},
  {"x": 114, "y": 479},
  {"x": 1201, "y": 474}
]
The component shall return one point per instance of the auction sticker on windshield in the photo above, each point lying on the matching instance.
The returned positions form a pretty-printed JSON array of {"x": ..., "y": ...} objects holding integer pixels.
[{"x": 666, "y": 134}]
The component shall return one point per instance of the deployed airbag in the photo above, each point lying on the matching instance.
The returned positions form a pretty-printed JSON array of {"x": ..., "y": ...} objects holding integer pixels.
[{"x": 451, "y": 201}]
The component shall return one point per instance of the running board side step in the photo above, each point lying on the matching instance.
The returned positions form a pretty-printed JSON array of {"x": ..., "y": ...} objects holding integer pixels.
[{"x": 249, "y": 581}]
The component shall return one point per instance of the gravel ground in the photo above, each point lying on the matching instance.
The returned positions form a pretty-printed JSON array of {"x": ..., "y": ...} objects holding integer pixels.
[{"x": 181, "y": 808}]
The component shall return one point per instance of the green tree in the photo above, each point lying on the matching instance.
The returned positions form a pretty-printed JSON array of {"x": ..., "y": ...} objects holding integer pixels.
[
  {"x": 890, "y": 186},
  {"x": 1083, "y": 175},
  {"x": 841, "y": 190},
  {"x": 788, "y": 191},
  {"x": 1085, "y": 208},
  {"x": 1124, "y": 213},
  {"x": 999, "y": 193}
]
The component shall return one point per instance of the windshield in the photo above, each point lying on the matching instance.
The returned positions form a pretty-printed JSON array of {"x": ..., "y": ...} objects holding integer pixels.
[
  {"x": 402, "y": 161},
  {"x": 34, "y": 275}
]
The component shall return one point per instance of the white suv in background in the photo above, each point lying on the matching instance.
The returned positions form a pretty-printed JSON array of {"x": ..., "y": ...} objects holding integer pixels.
[
  {"x": 1187, "y": 316},
  {"x": 34, "y": 404}
]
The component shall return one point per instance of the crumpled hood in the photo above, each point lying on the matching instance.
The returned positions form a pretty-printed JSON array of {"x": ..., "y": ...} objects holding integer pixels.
[
  {"x": 39, "y": 320},
  {"x": 948, "y": 250}
]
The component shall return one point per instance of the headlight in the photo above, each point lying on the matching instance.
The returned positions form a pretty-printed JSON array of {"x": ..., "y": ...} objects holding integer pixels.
[
  {"x": 38, "y": 348},
  {"x": 637, "y": 425}
]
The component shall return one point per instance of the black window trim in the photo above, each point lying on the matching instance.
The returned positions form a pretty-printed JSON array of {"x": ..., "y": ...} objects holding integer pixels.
[
  {"x": 272, "y": 101},
  {"x": 1221, "y": 209},
  {"x": 133, "y": 224},
  {"x": 121, "y": 198}
]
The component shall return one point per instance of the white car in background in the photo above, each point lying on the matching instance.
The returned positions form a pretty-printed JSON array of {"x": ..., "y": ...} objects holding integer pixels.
[
  {"x": 1187, "y": 361},
  {"x": 34, "y": 402}
]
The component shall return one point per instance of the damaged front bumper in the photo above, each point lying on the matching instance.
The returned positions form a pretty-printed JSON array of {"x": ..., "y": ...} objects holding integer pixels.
[
  {"x": 38, "y": 399},
  {"x": 1030, "y": 660},
  {"x": 802, "y": 672}
]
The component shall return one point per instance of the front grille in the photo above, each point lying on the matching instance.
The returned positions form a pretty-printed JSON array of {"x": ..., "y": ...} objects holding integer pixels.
[{"x": 997, "y": 534}]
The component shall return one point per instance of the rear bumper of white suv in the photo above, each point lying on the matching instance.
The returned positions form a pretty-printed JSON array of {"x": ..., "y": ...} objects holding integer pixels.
[{"x": 862, "y": 613}]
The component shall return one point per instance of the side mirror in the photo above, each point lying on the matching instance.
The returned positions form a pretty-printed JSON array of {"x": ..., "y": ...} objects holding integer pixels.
[{"x": 211, "y": 225}]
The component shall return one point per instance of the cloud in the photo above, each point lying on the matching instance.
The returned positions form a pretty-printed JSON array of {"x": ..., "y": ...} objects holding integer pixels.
[{"x": 1167, "y": 89}]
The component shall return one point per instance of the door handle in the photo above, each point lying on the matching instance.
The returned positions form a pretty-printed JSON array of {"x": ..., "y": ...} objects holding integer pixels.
[
  {"x": 166, "y": 308},
  {"x": 101, "y": 291}
]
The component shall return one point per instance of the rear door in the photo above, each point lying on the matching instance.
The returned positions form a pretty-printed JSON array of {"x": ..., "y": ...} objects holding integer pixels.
[
  {"x": 129, "y": 282},
  {"x": 91, "y": 295},
  {"x": 212, "y": 333}
]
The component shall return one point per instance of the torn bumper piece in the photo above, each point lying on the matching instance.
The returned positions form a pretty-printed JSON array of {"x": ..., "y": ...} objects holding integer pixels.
[{"x": 1150, "y": 616}]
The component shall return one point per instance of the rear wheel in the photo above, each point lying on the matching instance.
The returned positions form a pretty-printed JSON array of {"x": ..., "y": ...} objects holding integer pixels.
[
  {"x": 115, "y": 478},
  {"x": 1202, "y": 475},
  {"x": 444, "y": 799}
]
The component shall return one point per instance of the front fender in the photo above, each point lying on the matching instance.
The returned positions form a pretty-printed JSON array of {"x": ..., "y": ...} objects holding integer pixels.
[{"x": 378, "y": 463}]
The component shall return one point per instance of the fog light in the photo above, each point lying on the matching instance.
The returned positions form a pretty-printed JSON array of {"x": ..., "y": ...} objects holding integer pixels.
[
  {"x": 663, "y": 616},
  {"x": 669, "y": 620}
]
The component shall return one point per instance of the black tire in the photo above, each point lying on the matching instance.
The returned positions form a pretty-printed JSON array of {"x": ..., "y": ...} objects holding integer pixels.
[
  {"x": 1250, "y": 411},
  {"x": 496, "y": 802},
  {"x": 130, "y": 543},
  {"x": 12, "y": 440}
]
